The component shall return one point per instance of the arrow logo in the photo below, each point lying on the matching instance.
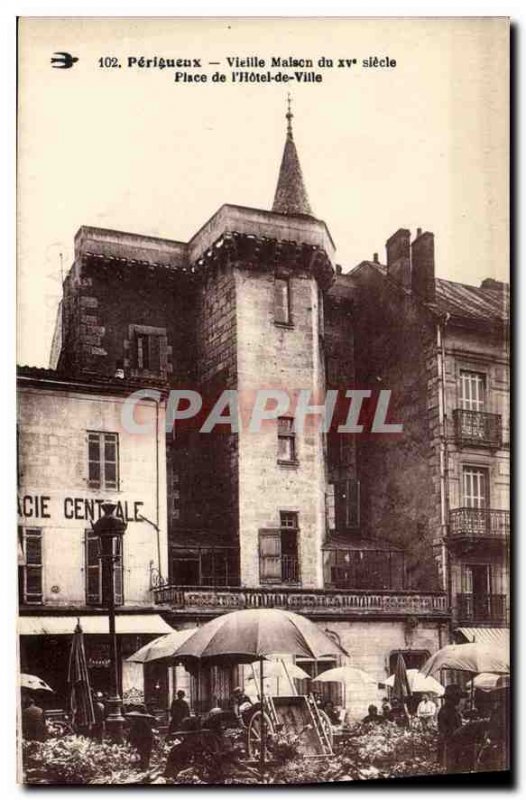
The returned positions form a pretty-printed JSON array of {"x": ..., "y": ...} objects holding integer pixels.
[{"x": 63, "y": 61}]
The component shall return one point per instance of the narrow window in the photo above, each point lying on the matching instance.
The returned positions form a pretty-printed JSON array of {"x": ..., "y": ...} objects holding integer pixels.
[
  {"x": 286, "y": 441},
  {"x": 475, "y": 487},
  {"x": 278, "y": 551},
  {"x": 282, "y": 302},
  {"x": 103, "y": 460},
  {"x": 96, "y": 592},
  {"x": 472, "y": 391},
  {"x": 148, "y": 352},
  {"x": 347, "y": 503},
  {"x": 32, "y": 568}
]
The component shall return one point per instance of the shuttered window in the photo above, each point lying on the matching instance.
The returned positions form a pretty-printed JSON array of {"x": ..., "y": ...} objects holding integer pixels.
[
  {"x": 32, "y": 568},
  {"x": 95, "y": 592},
  {"x": 103, "y": 460},
  {"x": 278, "y": 551},
  {"x": 286, "y": 440},
  {"x": 148, "y": 352}
]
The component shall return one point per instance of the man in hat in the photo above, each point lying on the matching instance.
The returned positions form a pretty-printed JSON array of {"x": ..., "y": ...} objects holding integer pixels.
[
  {"x": 179, "y": 710},
  {"x": 141, "y": 734},
  {"x": 33, "y": 722},
  {"x": 449, "y": 721}
]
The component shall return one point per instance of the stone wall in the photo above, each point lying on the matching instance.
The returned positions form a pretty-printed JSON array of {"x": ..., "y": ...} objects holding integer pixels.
[
  {"x": 394, "y": 345},
  {"x": 288, "y": 358}
]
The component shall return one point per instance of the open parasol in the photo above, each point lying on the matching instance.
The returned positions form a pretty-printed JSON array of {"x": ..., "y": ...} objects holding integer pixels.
[
  {"x": 243, "y": 636},
  {"x": 350, "y": 676},
  {"x": 162, "y": 648},
  {"x": 472, "y": 657},
  {"x": 488, "y": 681},
  {"x": 34, "y": 683}
]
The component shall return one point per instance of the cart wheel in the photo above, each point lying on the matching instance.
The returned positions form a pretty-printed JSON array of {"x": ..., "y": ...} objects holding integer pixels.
[
  {"x": 327, "y": 727},
  {"x": 254, "y": 734}
]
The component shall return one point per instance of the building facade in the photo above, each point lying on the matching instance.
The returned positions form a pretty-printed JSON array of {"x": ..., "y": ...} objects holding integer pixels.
[
  {"x": 443, "y": 347},
  {"x": 352, "y": 530},
  {"x": 74, "y": 454}
]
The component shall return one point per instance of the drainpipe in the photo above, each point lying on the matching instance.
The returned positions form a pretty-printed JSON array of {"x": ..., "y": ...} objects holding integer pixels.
[{"x": 443, "y": 454}]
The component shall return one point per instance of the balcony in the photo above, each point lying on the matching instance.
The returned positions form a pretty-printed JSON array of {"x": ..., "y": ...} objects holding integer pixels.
[
  {"x": 480, "y": 608},
  {"x": 477, "y": 429},
  {"x": 313, "y": 603},
  {"x": 479, "y": 523}
]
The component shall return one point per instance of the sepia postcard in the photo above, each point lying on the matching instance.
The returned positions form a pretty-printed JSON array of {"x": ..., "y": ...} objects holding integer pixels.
[{"x": 263, "y": 437}]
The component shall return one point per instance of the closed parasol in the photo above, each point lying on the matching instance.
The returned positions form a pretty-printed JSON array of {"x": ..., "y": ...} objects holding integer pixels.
[
  {"x": 401, "y": 687},
  {"x": 162, "y": 648},
  {"x": 419, "y": 683},
  {"x": 81, "y": 700},
  {"x": 472, "y": 657},
  {"x": 34, "y": 683}
]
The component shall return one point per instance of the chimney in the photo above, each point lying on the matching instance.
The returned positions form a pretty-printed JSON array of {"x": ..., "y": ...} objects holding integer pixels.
[
  {"x": 339, "y": 269},
  {"x": 375, "y": 258},
  {"x": 398, "y": 250},
  {"x": 423, "y": 266}
]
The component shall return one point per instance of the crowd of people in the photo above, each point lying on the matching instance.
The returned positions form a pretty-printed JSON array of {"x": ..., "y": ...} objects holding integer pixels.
[{"x": 467, "y": 739}]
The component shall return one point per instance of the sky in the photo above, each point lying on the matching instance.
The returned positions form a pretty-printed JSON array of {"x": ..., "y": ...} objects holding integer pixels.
[{"x": 423, "y": 144}]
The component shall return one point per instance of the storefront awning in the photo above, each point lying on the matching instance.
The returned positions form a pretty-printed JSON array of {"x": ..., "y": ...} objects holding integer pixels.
[
  {"x": 124, "y": 623},
  {"x": 493, "y": 637}
]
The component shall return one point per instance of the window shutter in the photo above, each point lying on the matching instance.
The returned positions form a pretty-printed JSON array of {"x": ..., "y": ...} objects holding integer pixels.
[
  {"x": 93, "y": 570},
  {"x": 270, "y": 554}
]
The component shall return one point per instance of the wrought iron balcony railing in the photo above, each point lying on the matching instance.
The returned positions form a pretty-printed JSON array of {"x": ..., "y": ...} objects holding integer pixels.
[
  {"x": 313, "y": 602},
  {"x": 479, "y": 523},
  {"x": 482, "y": 608},
  {"x": 477, "y": 429}
]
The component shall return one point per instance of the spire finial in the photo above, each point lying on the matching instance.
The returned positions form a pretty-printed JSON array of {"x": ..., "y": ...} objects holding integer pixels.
[{"x": 289, "y": 115}]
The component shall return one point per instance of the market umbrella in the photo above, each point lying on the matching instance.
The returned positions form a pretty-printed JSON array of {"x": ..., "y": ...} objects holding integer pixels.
[
  {"x": 418, "y": 683},
  {"x": 80, "y": 697},
  {"x": 350, "y": 676},
  {"x": 471, "y": 657},
  {"x": 162, "y": 648},
  {"x": 34, "y": 683},
  {"x": 280, "y": 671},
  {"x": 488, "y": 681},
  {"x": 243, "y": 636}
]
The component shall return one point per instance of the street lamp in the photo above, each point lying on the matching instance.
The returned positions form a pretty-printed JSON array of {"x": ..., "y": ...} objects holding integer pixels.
[{"x": 110, "y": 530}]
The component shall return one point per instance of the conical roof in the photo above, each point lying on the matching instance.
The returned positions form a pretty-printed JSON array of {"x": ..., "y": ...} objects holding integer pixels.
[{"x": 291, "y": 194}]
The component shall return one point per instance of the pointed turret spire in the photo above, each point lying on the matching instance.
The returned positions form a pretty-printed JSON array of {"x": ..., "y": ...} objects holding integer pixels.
[{"x": 291, "y": 195}]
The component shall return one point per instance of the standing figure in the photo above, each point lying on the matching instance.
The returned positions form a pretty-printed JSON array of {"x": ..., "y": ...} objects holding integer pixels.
[
  {"x": 33, "y": 722},
  {"x": 426, "y": 711},
  {"x": 140, "y": 735},
  {"x": 97, "y": 730},
  {"x": 179, "y": 710},
  {"x": 449, "y": 721}
]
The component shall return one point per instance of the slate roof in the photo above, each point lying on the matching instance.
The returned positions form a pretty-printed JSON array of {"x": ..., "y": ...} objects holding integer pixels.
[
  {"x": 291, "y": 194},
  {"x": 464, "y": 303}
]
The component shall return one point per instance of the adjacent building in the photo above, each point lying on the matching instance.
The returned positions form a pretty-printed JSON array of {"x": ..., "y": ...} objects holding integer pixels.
[
  {"x": 378, "y": 538},
  {"x": 73, "y": 455}
]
